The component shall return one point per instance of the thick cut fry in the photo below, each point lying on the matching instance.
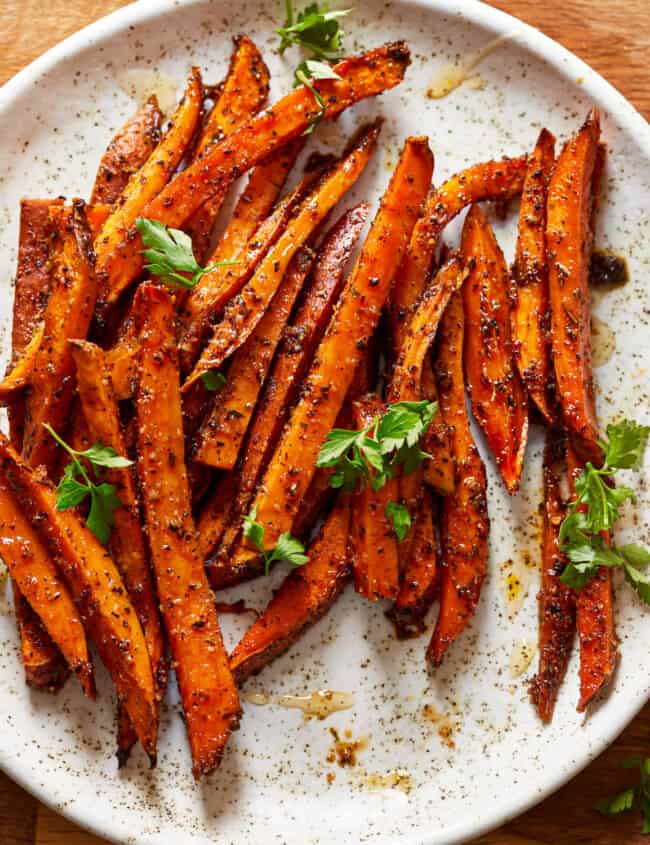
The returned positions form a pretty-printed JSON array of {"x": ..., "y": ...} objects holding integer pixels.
[
  {"x": 465, "y": 524},
  {"x": 530, "y": 309},
  {"x": 21, "y": 375},
  {"x": 208, "y": 692},
  {"x": 127, "y": 152},
  {"x": 420, "y": 580},
  {"x": 244, "y": 313},
  {"x": 360, "y": 77},
  {"x": 341, "y": 350},
  {"x": 594, "y": 617},
  {"x": 40, "y": 583},
  {"x": 146, "y": 183},
  {"x": 216, "y": 514},
  {"x": 569, "y": 235},
  {"x": 292, "y": 360},
  {"x": 45, "y": 667},
  {"x": 223, "y": 432},
  {"x": 243, "y": 94},
  {"x": 68, "y": 315},
  {"x": 498, "y": 397},
  {"x": 557, "y": 602},
  {"x": 303, "y": 598},
  {"x": 373, "y": 545},
  {"x": 206, "y": 301},
  {"x": 107, "y": 614}
]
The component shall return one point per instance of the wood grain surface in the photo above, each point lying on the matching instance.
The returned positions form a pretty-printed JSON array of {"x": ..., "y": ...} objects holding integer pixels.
[{"x": 613, "y": 36}]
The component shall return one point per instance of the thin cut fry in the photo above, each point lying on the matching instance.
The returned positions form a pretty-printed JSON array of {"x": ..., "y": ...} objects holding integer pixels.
[
  {"x": 465, "y": 524},
  {"x": 244, "y": 313},
  {"x": 98, "y": 591},
  {"x": 530, "y": 311},
  {"x": 208, "y": 692},
  {"x": 21, "y": 375},
  {"x": 45, "y": 667},
  {"x": 303, "y": 598},
  {"x": 341, "y": 350},
  {"x": 498, "y": 398},
  {"x": 360, "y": 77},
  {"x": 569, "y": 235},
  {"x": 223, "y": 431},
  {"x": 557, "y": 602},
  {"x": 68, "y": 315},
  {"x": 127, "y": 152}
]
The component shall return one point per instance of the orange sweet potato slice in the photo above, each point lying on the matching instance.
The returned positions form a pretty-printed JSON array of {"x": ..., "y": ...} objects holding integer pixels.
[
  {"x": 208, "y": 693},
  {"x": 464, "y": 523},
  {"x": 498, "y": 398}
]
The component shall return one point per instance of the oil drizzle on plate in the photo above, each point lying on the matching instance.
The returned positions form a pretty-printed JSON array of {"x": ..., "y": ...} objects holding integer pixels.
[
  {"x": 521, "y": 657},
  {"x": 141, "y": 83},
  {"x": 319, "y": 704},
  {"x": 603, "y": 341},
  {"x": 452, "y": 76}
]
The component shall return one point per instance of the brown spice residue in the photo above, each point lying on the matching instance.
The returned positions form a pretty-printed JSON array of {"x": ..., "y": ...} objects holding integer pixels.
[
  {"x": 445, "y": 724},
  {"x": 344, "y": 751},
  {"x": 330, "y": 777}
]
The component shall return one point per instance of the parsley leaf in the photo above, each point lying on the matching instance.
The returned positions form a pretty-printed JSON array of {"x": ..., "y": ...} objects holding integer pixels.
[
  {"x": 635, "y": 798},
  {"x": 626, "y": 443},
  {"x": 288, "y": 548},
  {"x": 169, "y": 254},
  {"x": 315, "y": 28},
  {"x": 213, "y": 380},
  {"x": 76, "y": 484},
  {"x": 304, "y": 74},
  {"x": 400, "y": 517}
]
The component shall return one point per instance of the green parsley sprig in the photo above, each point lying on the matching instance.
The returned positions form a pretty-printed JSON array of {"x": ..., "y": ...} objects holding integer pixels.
[
  {"x": 288, "y": 548},
  {"x": 213, "y": 380},
  {"x": 636, "y": 798},
  {"x": 596, "y": 508},
  {"x": 76, "y": 484},
  {"x": 169, "y": 254},
  {"x": 400, "y": 518},
  {"x": 372, "y": 454},
  {"x": 304, "y": 74}
]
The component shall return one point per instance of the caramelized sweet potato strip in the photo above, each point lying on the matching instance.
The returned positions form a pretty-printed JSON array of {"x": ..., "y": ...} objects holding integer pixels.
[
  {"x": 223, "y": 431},
  {"x": 557, "y": 602},
  {"x": 127, "y": 152},
  {"x": 39, "y": 582},
  {"x": 498, "y": 397},
  {"x": 208, "y": 692},
  {"x": 244, "y": 313},
  {"x": 360, "y": 77},
  {"x": 569, "y": 236},
  {"x": 68, "y": 315},
  {"x": 243, "y": 94},
  {"x": 341, "y": 350},
  {"x": 92, "y": 577},
  {"x": 594, "y": 618},
  {"x": 20, "y": 376},
  {"x": 146, "y": 183},
  {"x": 303, "y": 598},
  {"x": 530, "y": 310},
  {"x": 465, "y": 524}
]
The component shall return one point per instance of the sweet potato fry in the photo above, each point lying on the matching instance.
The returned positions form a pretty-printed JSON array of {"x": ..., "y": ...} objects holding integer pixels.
[
  {"x": 98, "y": 591},
  {"x": 303, "y": 598},
  {"x": 465, "y": 524},
  {"x": 127, "y": 152},
  {"x": 208, "y": 692},
  {"x": 498, "y": 397},
  {"x": 40, "y": 583},
  {"x": 244, "y": 313},
  {"x": 215, "y": 514},
  {"x": 243, "y": 94},
  {"x": 557, "y": 602},
  {"x": 530, "y": 309},
  {"x": 360, "y": 77},
  {"x": 224, "y": 429},
  {"x": 341, "y": 350},
  {"x": 594, "y": 617},
  {"x": 569, "y": 235},
  {"x": 20, "y": 376},
  {"x": 45, "y": 667},
  {"x": 68, "y": 315},
  {"x": 420, "y": 579},
  {"x": 146, "y": 183}
]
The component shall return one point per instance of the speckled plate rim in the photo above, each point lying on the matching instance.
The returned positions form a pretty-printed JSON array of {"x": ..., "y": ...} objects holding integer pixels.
[{"x": 567, "y": 65}]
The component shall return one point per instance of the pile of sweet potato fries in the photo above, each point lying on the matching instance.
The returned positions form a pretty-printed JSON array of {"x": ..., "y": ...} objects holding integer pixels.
[{"x": 120, "y": 364}]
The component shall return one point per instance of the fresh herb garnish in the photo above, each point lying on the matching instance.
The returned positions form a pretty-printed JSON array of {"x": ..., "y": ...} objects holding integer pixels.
[
  {"x": 304, "y": 74},
  {"x": 76, "y": 484},
  {"x": 636, "y": 798},
  {"x": 372, "y": 454},
  {"x": 596, "y": 508},
  {"x": 288, "y": 548},
  {"x": 400, "y": 518},
  {"x": 315, "y": 28},
  {"x": 169, "y": 254},
  {"x": 213, "y": 380}
]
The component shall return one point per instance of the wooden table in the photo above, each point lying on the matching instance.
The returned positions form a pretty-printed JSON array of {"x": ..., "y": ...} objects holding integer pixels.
[{"x": 614, "y": 37}]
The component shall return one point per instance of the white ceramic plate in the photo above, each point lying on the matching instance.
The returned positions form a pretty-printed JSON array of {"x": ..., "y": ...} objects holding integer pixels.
[{"x": 57, "y": 116}]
